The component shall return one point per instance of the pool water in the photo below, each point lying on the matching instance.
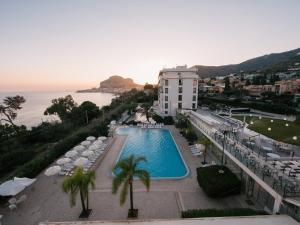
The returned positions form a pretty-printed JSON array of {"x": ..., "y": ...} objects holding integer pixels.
[{"x": 164, "y": 160}]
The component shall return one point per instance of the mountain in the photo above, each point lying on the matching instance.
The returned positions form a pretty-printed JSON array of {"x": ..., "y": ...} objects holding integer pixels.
[
  {"x": 114, "y": 84},
  {"x": 267, "y": 63},
  {"x": 118, "y": 82}
]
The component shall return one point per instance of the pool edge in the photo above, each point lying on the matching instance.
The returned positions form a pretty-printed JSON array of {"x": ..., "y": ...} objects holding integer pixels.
[{"x": 157, "y": 178}]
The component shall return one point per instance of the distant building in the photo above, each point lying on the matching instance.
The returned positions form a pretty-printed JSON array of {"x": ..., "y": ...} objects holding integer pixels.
[
  {"x": 258, "y": 89},
  {"x": 287, "y": 86},
  {"x": 177, "y": 89}
]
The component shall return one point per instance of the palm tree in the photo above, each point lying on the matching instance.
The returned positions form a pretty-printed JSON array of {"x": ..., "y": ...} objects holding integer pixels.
[
  {"x": 80, "y": 182},
  {"x": 125, "y": 171},
  {"x": 207, "y": 143},
  {"x": 146, "y": 110}
]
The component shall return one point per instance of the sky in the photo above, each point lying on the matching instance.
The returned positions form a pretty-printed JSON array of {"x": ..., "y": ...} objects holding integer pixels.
[{"x": 72, "y": 44}]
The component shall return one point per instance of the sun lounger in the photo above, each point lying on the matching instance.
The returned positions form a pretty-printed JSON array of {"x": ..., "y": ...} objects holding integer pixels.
[
  {"x": 12, "y": 207},
  {"x": 12, "y": 201},
  {"x": 21, "y": 199},
  {"x": 198, "y": 153}
]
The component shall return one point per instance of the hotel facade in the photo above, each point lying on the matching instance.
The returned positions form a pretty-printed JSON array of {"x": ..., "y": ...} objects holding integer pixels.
[{"x": 177, "y": 89}]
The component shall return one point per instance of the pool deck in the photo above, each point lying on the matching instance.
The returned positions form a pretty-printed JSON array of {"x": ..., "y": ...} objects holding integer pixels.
[{"x": 166, "y": 198}]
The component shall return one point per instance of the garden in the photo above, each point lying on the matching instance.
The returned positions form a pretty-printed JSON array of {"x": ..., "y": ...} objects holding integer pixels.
[{"x": 280, "y": 130}]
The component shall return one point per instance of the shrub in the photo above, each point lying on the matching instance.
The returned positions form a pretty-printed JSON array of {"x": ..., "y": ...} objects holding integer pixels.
[
  {"x": 218, "y": 181},
  {"x": 168, "y": 120},
  {"x": 193, "y": 213},
  {"x": 157, "y": 118},
  {"x": 190, "y": 135}
]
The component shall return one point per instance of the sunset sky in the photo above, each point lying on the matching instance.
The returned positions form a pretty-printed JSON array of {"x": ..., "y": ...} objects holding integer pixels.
[{"x": 70, "y": 44}]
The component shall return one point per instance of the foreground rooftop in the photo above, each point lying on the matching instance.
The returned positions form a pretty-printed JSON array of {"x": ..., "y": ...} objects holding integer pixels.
[{"x": 251, "y": 220}]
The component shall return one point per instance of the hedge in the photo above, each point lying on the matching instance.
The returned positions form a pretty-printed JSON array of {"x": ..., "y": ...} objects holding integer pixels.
[
  {"x": 218, "y": 181},
  {"x": 194, "y": 213}
]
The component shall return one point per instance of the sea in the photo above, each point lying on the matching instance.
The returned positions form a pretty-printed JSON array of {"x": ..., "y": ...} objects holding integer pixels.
[{"x": 32, "y": 112}]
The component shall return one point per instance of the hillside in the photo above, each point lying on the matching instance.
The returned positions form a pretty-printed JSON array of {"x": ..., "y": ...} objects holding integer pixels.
[
  {"x": 271, "y": 62},
  {"x": 118, "y": 82},
  {"x": 114, "y": 84}
]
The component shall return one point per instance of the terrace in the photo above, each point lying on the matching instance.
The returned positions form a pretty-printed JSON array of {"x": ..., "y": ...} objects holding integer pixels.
[{"x": 166, "y": 199}]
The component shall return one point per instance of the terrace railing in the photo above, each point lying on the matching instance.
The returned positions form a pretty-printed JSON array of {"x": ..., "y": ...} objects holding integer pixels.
[{"x": 284, "y": 184}]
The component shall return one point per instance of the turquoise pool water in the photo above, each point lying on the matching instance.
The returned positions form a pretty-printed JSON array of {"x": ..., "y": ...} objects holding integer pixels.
[{"x": 164, "y": 160}]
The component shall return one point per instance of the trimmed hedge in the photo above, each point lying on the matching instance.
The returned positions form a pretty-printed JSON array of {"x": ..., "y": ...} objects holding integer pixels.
[
  {"x": 218, "y": 181},
  {"x": 194, "y": 213}
]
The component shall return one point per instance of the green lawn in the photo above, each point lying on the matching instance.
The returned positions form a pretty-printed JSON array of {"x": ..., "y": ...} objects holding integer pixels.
[{"x": 279, "y": 130}]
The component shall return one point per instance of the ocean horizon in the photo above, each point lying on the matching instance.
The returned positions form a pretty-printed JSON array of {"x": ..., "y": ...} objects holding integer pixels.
[{"x": 32, "y": 112}]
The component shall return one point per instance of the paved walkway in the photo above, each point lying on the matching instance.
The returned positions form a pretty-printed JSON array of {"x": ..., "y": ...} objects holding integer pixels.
[{"x": 166, "y": 199}]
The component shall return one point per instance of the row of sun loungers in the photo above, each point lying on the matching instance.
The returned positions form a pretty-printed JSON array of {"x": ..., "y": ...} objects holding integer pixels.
[
  {"x": 146, "y": 125},
  {"x": 195, "y": 151}
]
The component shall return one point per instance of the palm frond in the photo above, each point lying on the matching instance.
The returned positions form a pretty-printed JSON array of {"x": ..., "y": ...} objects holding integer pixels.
[{"x": 144, "y": 177}]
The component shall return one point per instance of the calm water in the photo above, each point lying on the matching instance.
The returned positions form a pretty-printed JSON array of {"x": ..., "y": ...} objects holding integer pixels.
[
  {"x": 36, "y": 102},
  {"x": 157, "y": 145}
]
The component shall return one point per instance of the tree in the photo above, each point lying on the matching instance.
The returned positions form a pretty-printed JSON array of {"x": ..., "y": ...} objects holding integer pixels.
[
  {"x": 61, "y": 107},
  {"x": 80, "y": 182},
  {"x": 207, "y": 143},
  {"x": 146, "y": 111},
  {"x": 227, "y": 84},
  {"x": 9, "y": 107},
  {"x": 84, "y": 113},
  {"x": 148, "y": 86},
  {"x": 125, "y": 171}
]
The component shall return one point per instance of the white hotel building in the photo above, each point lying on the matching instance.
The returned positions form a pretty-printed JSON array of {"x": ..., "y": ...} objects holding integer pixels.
[{"x": 177, "y": 89}]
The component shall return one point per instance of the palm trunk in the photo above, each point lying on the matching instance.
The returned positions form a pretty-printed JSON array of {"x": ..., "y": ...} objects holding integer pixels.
[
  {"x": 131, "y": 194},
  {"x": 87, "y": 200},
  {"x": 82, "y": 201},
  {"x": 204, "y": 156}
]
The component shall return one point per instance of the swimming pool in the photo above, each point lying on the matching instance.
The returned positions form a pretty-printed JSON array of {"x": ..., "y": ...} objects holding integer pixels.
[{"x": 164, "y": 160}]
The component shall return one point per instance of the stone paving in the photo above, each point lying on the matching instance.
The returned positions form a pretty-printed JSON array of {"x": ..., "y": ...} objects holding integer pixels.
[{"x": 166, "y": 199}]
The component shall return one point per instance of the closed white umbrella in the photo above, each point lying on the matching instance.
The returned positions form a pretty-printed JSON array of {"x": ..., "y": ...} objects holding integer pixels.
[
  {"x": 91, "y": 138},
  {"x": 63, "y": 161},
  {"x": 71, "y": 153},
  {"x": 102, "y": 138},
  {"x": 87, "y": 153},
  {"x": 79, "y": 148},
  {"x": 52, "y": 170},
  {"x": 85, "y": 143}
]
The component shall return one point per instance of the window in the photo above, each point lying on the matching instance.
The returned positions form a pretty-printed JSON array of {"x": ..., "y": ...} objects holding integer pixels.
[
  {"x": 194, "y": 105},
  {"x": 180, "y": 90},
  {"x": 194, "y": 90},
  {"x": 179, "y": 97},
  {"x": 166, "y": 90},
  {"x": 166, "y": 105},
  {"x": 195, "y": 83},
  {"x": 180, "y": 81},
  {"x": 179, "y": 105},
  {"x": 166, "y": 98},
  {"x": 178, "y": 73},
  {"x": 166, "y": 83},
  {"x": 194, "y": 97},
  {"x": 166, "y": 112}
]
